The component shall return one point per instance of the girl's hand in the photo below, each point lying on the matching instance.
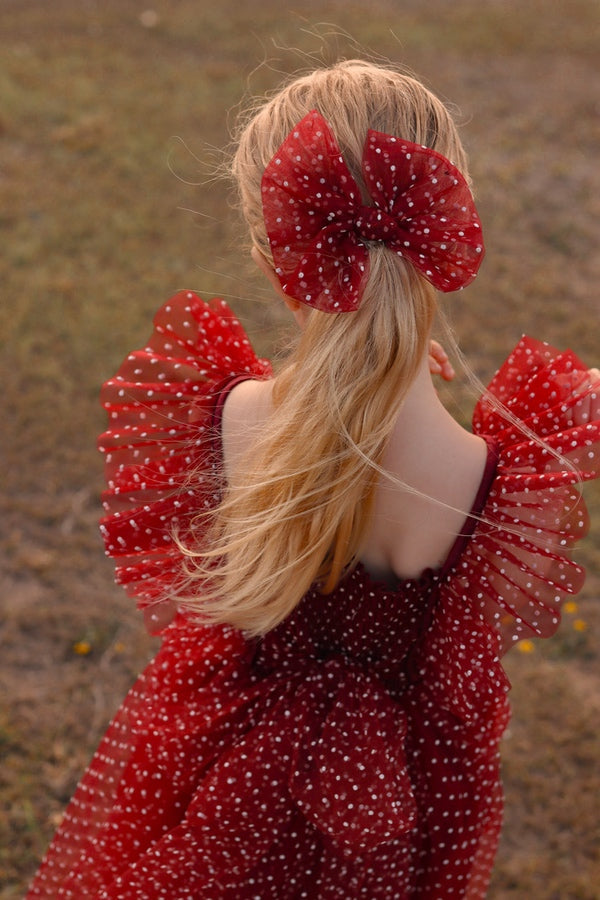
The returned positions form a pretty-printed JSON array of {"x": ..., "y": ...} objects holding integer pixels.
[
  {"x": 439, "y": 364},
  {"x": 588, "y": 409}
]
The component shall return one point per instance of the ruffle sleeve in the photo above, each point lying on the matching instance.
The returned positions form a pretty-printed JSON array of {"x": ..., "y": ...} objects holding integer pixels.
[
  {"x": 518, "y": 568},
  {"x": 160, "y": 463}
]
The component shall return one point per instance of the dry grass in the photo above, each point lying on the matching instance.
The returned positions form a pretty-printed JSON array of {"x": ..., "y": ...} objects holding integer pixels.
[{"x": 96, "y": 102}]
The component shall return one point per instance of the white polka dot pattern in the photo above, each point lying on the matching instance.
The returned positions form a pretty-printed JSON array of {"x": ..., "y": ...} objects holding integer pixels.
[
  {"x": 159, "y": 406},
  {"x": 535, "y": 512},
  {"x": 319, "y": 227},
  {"x": 353, "y": 752}
]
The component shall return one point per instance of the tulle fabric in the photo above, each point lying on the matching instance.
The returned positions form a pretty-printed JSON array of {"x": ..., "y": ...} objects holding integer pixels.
[
  {"x": 160, "y": 408},
  {"x": 352, "y": 752}
]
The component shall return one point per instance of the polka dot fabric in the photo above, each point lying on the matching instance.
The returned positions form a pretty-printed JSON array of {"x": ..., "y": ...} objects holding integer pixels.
[
  {"x": 160, "y": 407},
  {"x": 353, "y": 751},
  {"x": 420, "y": 207}
]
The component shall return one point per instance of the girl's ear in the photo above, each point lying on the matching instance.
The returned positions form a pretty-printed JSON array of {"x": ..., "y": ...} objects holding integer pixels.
[
  {"x": 295, "y": 307},
  {"x": 267, "y": 269}
]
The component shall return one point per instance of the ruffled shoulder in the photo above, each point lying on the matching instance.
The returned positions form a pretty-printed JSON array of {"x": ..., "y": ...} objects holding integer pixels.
[
  {"x": 159, "y": 446},
  {"x": 518, "y": 567},
  {"x": 541, "y": 412}
]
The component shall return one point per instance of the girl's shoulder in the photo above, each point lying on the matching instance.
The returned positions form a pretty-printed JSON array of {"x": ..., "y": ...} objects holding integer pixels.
[{"x": 244, "y": 414}]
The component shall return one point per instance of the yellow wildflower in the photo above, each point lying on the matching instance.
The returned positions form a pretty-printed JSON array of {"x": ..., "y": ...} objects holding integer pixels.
[
  {"x": 526, "y": 646},
  {"x": 570, "y": 607},
  {"x": 579, "y": 625},
  {"x": 82, "y": 648}
]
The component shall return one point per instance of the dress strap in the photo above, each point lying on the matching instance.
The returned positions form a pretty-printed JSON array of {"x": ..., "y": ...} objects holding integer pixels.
[
  {"x": 216, "y": 421},
  {"x": 470, "y": 523}
]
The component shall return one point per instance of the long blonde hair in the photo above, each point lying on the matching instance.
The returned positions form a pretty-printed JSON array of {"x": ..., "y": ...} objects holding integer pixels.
[{"x": 300, "y": 512}]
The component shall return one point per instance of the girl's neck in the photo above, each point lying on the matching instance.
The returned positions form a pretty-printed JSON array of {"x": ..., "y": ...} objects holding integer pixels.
[
  {"x": 435, "y": 469},
  {"x": 422, "y": 414}
]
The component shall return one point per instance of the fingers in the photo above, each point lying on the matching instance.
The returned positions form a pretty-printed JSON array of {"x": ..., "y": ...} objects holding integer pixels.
[{"x": 439, "y": 364}]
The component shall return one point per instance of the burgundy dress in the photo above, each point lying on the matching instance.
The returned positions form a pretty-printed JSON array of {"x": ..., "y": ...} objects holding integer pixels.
[{"x": 353, "y": 751}]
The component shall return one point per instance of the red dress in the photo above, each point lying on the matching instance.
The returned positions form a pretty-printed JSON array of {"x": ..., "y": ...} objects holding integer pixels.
[{"x": 353, "y": 751}]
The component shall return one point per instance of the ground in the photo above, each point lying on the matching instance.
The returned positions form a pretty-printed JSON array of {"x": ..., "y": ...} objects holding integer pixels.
[{"x": 112, "y": 116}]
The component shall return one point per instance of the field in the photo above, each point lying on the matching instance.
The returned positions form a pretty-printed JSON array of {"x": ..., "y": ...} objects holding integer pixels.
[{"x": 113, "y": 117}]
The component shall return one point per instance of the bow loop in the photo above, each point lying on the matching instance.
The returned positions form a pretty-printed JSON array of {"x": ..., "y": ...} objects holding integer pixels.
[
  {"x": 433, "y": 206},
  {"x": 329, "y": 742},
  {"x": 317, "y": 224},
  {"x": 349, "y": 724}
]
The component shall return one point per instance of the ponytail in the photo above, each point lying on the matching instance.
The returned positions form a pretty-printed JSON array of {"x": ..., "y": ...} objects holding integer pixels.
[
  {"x": 299, "y": 510},
  {"x": 306, "y": 485}
]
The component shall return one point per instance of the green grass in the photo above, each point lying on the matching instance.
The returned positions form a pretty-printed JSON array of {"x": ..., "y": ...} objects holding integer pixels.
[{"x": 110, "y": 137}]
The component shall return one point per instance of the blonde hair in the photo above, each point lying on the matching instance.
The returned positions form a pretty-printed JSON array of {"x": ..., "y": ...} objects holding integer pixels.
[{"x": 301, "y": 510}]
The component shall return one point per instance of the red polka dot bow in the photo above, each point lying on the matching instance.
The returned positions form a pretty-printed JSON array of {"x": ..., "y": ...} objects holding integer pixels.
[{"x": 319, "y": 227}]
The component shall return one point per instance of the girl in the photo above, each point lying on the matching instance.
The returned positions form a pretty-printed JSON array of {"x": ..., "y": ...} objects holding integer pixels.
[{"x": 334, "y": 564}]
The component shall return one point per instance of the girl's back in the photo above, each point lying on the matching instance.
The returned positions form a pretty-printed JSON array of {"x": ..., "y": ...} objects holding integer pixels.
[{"x": 431, "y": 472}]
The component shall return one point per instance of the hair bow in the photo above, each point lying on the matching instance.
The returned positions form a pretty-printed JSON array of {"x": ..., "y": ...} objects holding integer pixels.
[{"x": 318, "y": 225}]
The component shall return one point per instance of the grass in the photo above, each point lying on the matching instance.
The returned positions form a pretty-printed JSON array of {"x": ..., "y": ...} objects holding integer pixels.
[{"x": 110, "y": 129}]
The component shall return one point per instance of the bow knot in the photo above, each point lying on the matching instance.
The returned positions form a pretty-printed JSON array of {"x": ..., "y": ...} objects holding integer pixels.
[
  {"x": 422, "y": 210},
  {"x": 330, "y": 741},
  {"x": 374, "y": 224}
]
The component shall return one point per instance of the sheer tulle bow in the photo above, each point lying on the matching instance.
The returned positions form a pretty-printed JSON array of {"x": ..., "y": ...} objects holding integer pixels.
[
  {"x": 319, "y": 227},
  {"x": 330, "y": 742}
]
